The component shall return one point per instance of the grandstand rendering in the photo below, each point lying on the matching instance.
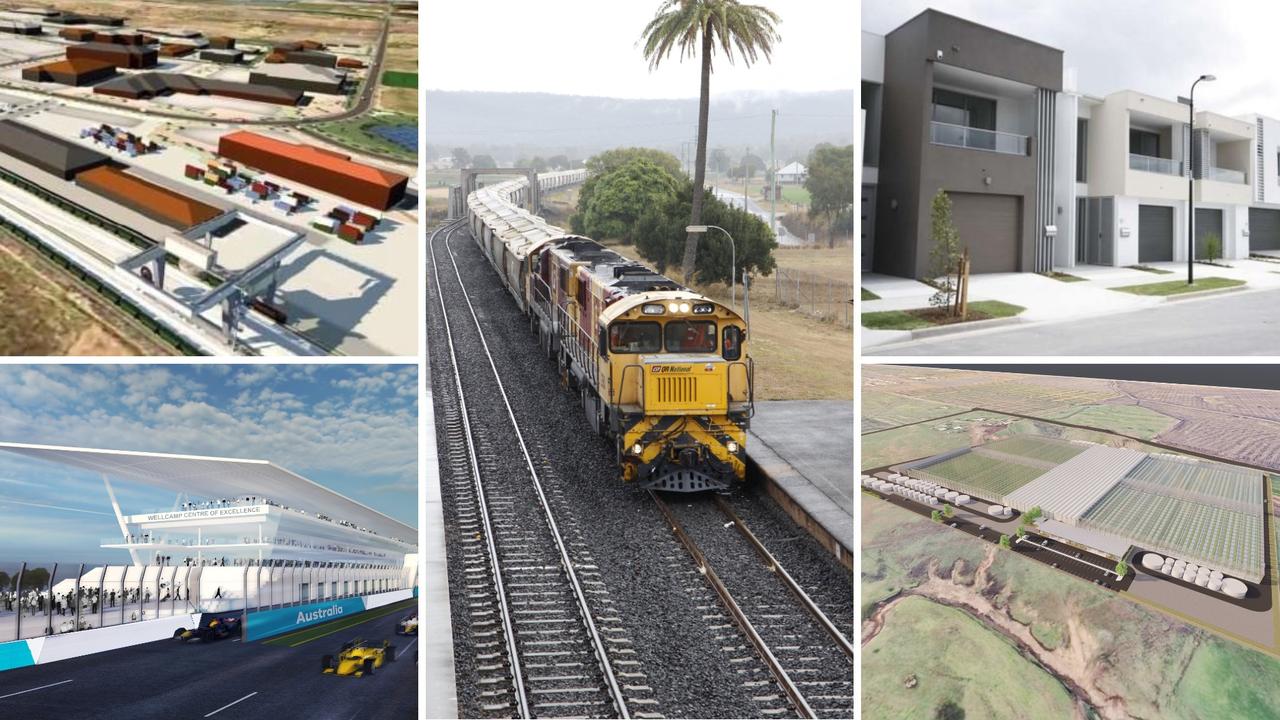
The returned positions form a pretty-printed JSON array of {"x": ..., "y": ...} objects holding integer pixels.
[{"x": 1202, "y": 512}]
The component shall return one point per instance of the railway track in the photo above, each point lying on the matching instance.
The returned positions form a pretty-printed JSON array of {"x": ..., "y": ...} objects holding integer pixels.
[
  {"x": 809, "y": 656},
  {"x": 540, "y": 649}
]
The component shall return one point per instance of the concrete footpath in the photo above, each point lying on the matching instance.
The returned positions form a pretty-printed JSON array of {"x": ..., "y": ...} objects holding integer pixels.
[{"x": 804, "y": 452}]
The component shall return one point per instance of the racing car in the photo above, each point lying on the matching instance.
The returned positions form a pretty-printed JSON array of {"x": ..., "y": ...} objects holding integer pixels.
[
  {"x": 211, "y": 627},
  {"x": 358, "y": 658},
  {"x": 408, "y": 625}
]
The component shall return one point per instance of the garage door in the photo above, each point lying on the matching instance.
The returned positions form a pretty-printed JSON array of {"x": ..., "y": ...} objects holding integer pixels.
[
  {"x": 1264, "y": 229},
  {"x": 1155, "y": 233},
  {"x": 989, "y": 225},
  {"x": 1207, "y": 221}
]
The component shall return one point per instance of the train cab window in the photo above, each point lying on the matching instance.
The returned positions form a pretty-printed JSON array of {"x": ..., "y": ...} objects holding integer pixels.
[
  {"x": 635, "y": 337},
  {"x": 690, "y": 336},
  {"x": 732, "y": 345}
]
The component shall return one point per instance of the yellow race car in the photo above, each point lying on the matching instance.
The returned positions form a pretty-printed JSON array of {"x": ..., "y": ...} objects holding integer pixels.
[{"x": 357, "y": 658}]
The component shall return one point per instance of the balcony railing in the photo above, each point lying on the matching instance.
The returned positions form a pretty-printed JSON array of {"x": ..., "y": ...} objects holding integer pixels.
[
  {"x": 1224, "y": 175},
  {"x": 1146, "y": 163},
  {"x": 941, "y": 133}
]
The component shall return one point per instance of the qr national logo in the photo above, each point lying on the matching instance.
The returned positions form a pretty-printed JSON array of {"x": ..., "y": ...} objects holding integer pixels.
[{"x": 668, "y": 369}]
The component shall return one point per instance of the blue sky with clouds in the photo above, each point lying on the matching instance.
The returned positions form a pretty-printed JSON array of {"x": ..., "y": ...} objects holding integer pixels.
[{"x": 352, "y": 428}]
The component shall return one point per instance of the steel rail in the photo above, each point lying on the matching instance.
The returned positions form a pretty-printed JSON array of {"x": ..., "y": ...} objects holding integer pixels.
[
  {"x": 597, "y": 642},
  {"x": 735, "y": 611},
  {"x": 807, "y": 602},
  {"x": 508, "y": 631}
]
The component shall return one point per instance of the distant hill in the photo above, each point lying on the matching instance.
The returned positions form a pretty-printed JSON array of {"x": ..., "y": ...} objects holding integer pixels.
[{"x": 509, "y": 125}]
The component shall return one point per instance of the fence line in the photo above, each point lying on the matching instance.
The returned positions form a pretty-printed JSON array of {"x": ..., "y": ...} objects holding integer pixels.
[
  {"x": 36, "y": 601},
  {"x": 817, "y": 296}
]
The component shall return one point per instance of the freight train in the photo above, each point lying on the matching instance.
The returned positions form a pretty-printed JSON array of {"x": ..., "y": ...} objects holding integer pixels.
[{"x": 658, "y": 368}]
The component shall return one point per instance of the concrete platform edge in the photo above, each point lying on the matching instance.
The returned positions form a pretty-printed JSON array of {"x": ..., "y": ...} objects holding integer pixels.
[
  {"x": 805, "y": 504},
  {"x": 436, "y": 626}
]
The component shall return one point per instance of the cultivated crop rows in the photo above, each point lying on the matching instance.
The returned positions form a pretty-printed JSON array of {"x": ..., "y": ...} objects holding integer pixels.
[{"x": 985, "y": 477}]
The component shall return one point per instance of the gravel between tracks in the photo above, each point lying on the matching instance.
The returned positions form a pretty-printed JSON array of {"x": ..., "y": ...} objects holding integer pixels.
[{"x": 677, "y": 665}]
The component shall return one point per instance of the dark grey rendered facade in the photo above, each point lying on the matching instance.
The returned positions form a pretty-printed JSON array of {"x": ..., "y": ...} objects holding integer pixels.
[{"x": 1003, "y": 201}]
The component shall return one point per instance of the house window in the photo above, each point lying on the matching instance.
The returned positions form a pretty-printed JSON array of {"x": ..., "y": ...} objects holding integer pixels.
[
  {"x": 1082, "y": 150},
  {"x": 1143, "y": 142},
  {"x": 956, "y": 108}
]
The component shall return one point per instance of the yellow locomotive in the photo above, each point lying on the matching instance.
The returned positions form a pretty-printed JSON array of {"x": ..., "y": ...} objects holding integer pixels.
[{"x": 662, "y": 370}]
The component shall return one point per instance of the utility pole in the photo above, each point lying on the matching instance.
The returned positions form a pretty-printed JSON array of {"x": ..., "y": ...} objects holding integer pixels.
[
  {"x": 773, "y": 175},
  {"x": 746, "y": 177}
]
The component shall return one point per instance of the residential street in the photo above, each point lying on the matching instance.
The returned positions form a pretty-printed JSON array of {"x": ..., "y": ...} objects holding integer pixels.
[{"x": 1231, "y": 324}]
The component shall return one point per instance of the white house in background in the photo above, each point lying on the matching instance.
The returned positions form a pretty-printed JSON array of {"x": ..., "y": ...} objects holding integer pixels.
[
  {"x": 1131, "y": 184},
  {"x": 795, "y": 173},
  {"x": 1264, "y": 212}
]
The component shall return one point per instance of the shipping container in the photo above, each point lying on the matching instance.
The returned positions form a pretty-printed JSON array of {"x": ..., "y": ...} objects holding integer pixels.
[{"x": 351, "y": 234}]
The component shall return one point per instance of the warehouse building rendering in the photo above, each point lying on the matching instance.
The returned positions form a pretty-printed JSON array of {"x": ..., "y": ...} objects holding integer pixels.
[
  {"x": 146, "y": 198},
  {"x": 310, "y": 78},
  {"x": 53, "y": 155},
  {"x": 316, "y": 167},
  {"x": 126, "y": 56},
  {"x": 72, "y": 71},
  {"x": 1202, "y": 513},
  {"x": 143, "y": 86}
]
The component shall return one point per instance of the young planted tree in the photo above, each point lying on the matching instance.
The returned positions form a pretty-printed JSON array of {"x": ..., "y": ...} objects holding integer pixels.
[
  {"x": 1212, "y": 247},
  {"x": 1030, "y": 517},
  {"x": 937, "y": 516},
  {"x": 948, "y": 511},
  {"x": 945, "y": 254},
  {"x": 697, "y": 28},
  {"x": 1122, "y": 568},
  {"x": 1004, "y": 542}
]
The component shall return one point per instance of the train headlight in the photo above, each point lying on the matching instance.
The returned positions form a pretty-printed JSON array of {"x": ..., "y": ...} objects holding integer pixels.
[
  {"x": 674, "y": 307},
  {"x": 684, "y": 307},
  {"x": 732, "y": 447},
  {"x": 653, "y": 309},
  {"x": 703, "y": 309},
  {"x": 637, "y": 449}
]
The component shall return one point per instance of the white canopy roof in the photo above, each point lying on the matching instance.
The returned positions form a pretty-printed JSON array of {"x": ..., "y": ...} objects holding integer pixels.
[
  {"x": 215, "y": 477},
  {"x": 794, "y": 168}
]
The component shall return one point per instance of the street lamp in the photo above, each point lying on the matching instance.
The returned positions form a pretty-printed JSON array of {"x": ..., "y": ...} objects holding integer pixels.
[
  {"x": 1191, "y": 181},
  {"x": 733, "y": 257}
]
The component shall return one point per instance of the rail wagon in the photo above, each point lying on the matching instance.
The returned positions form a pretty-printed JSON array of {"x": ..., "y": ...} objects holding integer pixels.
[{"x": 661, "y": 370}]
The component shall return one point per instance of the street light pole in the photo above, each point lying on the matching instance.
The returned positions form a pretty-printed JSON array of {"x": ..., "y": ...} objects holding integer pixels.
[
  {"x": 733, "y": 258},
  {"x": 1191, "y": 180}
]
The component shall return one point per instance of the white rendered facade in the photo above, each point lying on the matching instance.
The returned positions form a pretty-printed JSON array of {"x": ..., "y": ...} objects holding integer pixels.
[{"x": 1134, "y": 150}]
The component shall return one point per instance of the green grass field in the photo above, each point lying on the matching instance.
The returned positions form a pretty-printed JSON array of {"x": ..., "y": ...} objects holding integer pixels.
[
  {"x": 400, "y": 78},
  {"x": 356, "y": 134},
  {"x": 926, "y": 438},
  {"x": 888, "y": 410},
  {"x": 1179, "y": 287},
  {"x": 929, "y": 317},
  {"x": 1132, "y": 420},
  {"x": 316, "y": 632},
  {"x": 986, "y": 477},
  {"x": 868, "y": 295},
  {"x": 952, "y": 658}
]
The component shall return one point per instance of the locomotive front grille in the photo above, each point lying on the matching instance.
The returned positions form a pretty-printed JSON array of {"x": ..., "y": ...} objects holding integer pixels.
[{"x": 677, "y": 390}]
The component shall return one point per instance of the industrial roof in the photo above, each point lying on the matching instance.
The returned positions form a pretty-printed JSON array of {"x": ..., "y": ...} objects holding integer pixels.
[
  {"x": 216, "y": 477},
  {"x": 76, "y": 65},
  {"x": 163, "y": 204},
  {"x": 316, "y": 157},
  {"x": 1068, "y": 490},
  {"x": 300, "y": 71},
  {"x": 47, "y": 152},
  {"x": 155, "y": 83}
]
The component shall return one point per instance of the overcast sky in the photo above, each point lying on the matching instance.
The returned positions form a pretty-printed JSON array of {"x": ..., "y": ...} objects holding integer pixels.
[
  {"x": 1158, "y": 47},
  {"x": 590, "y": 47},
  {"x": 352, "y": 428}
]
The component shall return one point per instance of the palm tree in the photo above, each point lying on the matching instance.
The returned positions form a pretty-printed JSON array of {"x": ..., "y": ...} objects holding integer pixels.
[{"x": 696, "y": 28}]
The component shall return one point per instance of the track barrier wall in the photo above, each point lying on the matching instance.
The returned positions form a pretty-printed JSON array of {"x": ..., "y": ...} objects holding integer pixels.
[
  {"x": 41, "y": 650},
  {"x": 267, "y": 623}
]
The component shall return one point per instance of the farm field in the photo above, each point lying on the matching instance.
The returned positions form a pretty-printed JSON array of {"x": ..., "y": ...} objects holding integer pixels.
[
  {"x": 882, "y": 410},
  {"x": 1246, "y": 440},
  {"x": 1034, "y": 448},
  {"x": 986, "y": 477},
  {"x": 977, "y": 669},
  {"x": 1019, "y": 396},
  {"x": 1124, "y": 659},
  {"x": 398, "y": 90},
  {"x": 1132, "y": 420},
  {"x": 361, "y": 134},
  {"x": 928, "y": 438}
]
